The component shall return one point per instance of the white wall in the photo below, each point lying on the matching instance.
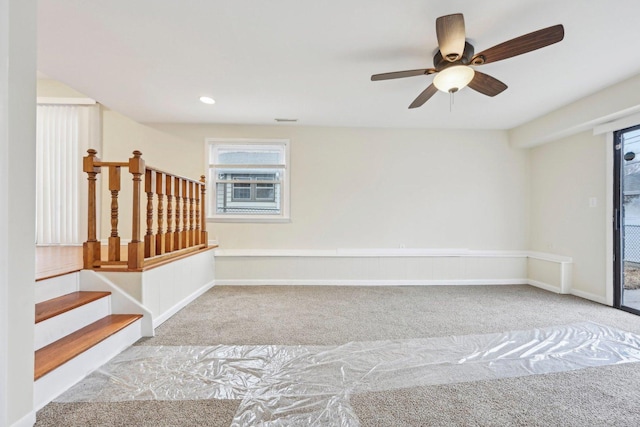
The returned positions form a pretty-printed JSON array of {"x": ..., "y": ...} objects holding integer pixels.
[
  {"x": 383, "y": 188},
  {"x": 17, "y": 203},
  {"x": 565, "y": 174}
]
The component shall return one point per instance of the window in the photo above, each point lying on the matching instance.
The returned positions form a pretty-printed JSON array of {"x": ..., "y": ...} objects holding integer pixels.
[{"x": 248, "y": 180}]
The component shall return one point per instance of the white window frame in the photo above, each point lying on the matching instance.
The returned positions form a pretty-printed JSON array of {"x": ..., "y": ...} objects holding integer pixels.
[{"x": 213, "y": 216}]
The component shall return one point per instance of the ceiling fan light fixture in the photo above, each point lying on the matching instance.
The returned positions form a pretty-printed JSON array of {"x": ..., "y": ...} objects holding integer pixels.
[{"x": 452, "y": 79}]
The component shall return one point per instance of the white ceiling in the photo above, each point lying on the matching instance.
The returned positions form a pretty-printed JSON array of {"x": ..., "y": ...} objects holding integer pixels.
[{"x": 312, "y": 60}]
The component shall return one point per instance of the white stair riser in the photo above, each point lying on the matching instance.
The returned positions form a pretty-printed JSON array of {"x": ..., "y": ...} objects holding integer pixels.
[
  {"x": 57, "y": 381},
  {"x": 59, "y": 326},
  {"x": 57, "y": 286}
]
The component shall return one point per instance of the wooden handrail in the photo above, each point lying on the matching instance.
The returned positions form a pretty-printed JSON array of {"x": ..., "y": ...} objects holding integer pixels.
[{"x": 181, "y": 231}]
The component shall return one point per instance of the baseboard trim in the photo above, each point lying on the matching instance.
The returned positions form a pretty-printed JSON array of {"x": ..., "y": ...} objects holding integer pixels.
[
  {"x": 590, "y": 296},
  {"x": 545, "y": 286},
  {"x": 181, "y": 304},
  {"x": 27, "y": 421},
  {"x": 294, "y": 282}
]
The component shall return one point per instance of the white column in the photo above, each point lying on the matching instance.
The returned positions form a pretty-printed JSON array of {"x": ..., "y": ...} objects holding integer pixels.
[{"x": 17, "y": 205}]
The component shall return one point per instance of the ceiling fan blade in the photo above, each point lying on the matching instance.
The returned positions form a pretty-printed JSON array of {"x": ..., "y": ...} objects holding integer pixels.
[
  {"x": 401, "y": 74},
  {"x": 424, "y": 96},
  {"x": 486, "y": 85},
  {"x": 451, "y": 36},
  {"x": 519, "y": 45}
]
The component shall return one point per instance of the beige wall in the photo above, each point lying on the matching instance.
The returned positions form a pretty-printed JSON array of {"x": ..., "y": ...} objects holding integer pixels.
[
  {"x": 49, "y": 88},
  {"x": 565, "y": 174},
  {"x": 120, "y": 137},
  {"x": 572, "y": 167},
  {"x": 379, "y": 188}
]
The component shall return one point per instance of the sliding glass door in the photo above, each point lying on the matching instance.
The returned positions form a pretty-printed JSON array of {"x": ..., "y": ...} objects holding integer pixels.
[{"x": 626, "y": 221}]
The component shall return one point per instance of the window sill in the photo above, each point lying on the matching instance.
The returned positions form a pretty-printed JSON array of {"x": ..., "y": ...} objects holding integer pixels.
[{"x": 244, "y": 219}]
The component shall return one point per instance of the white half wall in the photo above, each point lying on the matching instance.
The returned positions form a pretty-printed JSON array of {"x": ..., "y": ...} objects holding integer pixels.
[
  {"x": 371, "y": 267},
  {"x": 166, "y": 289}
]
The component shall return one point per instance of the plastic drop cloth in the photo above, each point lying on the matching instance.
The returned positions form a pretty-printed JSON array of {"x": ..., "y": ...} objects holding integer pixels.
[{"x": 298, "y": 385}]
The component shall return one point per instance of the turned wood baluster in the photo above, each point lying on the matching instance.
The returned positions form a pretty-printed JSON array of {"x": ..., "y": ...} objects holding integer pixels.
[
  {"x": 114, "y": 188},
  {"x": 185, "y": 216},
  {"x": 197, "y": 234},
  {"x": 149, "y": 238},
  {"x": 177, "y": 233},
  {"x": 169, "y": 235},
  {"x": 160, "y": 236},
  {"x": 91, "y": 248},
  {"x": 136, "y": 247},
  {"x": 191, "y": 217},
  {"x": 204, "y": 238}
]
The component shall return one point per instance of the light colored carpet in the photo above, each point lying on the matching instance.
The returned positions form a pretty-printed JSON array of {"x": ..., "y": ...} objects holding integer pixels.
[
  {"x": 316, "y": 315},
  {"x": 191, "y": 413},
  {"x": 336, "y": 315},
  {"x": 607, "y": 396}
]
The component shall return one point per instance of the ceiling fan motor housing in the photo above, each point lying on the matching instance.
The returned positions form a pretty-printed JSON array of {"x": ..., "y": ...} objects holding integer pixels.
[{"x": 440, "y": 63}]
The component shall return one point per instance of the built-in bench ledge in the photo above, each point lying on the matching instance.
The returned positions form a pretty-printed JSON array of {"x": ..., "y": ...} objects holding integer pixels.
[{"x": 392, "y": 266}]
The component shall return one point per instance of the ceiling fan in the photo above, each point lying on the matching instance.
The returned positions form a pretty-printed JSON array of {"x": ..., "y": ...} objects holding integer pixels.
[{"x": 452, "y": 63}]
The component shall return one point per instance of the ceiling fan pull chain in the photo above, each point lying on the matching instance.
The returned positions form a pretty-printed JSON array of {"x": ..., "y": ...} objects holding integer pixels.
[{"x": 451, "y": 101}]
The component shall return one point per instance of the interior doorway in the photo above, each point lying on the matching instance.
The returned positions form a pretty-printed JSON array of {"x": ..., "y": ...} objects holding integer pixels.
[{"x": 626, "y": 221}]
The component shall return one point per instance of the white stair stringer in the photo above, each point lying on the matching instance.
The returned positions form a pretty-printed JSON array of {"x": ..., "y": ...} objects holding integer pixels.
[
  {"x": 62, "y": 378},
  {"x": 59, "y": 326},
  {"x": 121, "y": 302}
]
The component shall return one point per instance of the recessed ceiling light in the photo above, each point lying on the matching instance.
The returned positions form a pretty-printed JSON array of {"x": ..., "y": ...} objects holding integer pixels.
[{"x": 207, "y": 100}]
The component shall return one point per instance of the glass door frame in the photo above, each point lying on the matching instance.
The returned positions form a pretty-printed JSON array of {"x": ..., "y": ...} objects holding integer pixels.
[{"x": 618, "y": 219}]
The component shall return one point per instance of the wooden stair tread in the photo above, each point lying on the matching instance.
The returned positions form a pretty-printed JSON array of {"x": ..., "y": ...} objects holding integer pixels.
[
  {"x": 55, "y": 354},
  {"x": 53, "y": 307}
]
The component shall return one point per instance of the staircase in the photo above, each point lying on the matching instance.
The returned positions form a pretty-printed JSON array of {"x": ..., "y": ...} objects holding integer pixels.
[{"x": 75, "y": 333}]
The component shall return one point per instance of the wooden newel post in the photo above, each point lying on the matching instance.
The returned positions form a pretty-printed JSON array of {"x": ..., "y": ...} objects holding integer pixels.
[
  {"x": 136, "y": 247},
  {"x": 91, "y": 248},
  {"x": 204, "y": 239}
]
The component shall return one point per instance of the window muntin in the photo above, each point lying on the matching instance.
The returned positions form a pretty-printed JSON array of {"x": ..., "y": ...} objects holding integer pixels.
[
  {"x": 265, "y": 192},
  {"x": 241, "y": 192}
]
